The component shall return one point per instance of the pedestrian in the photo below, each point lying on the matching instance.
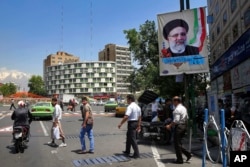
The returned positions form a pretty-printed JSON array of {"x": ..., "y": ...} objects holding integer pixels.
[
  {"x": 168, "y": 117},
  {"x": 61, "y": 104},
  {"x": 12, "y": 104},
  {"x": 57, "y": 117},
  {"x": 154, "y": 108},
  {"x": 87, "y": 127},
  {"x": 73, "y": 105},
  {"x": 133, "y": 116},
  {"x": 179, "y": 123}
]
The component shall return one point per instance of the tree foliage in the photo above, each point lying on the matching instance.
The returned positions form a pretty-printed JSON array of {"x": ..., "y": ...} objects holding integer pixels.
[
  {"x": 36, "y": 85},
  {"x": 144, "y": 48},
  {"x": 8, "y": 89}
]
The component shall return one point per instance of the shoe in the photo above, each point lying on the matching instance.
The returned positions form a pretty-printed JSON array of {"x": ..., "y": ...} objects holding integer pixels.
[
  {"x": 52, "y": 144},
  {"x": 177, "y": 162},
  {"x": 82, "y": 152},
  {"x": 125, "y": 152},
  {"x": 189, "y": 157},
  {"x": 63, "y": 145},
  {"x": 134, "y": 156},
  {"x": 91, "y": 152}
]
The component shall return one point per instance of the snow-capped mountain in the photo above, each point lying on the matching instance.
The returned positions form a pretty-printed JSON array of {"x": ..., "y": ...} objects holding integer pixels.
[{"x": 17, "y": 77}]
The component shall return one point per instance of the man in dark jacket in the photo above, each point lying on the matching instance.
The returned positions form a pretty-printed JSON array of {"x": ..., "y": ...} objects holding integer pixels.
[{"x": 22, "y": 117}]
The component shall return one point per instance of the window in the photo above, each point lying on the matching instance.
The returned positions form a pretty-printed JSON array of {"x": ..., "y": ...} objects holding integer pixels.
[
  {"x": 235, "y": 31},
  {"x": 233, "y": 5},
  {"x": 226, "y": 41},
  {"x": 212, "y": 37},
  {"x": 225, "y": 17},
  {"x": 247, "y": 17},
  {"x": 218, "y": 29},
  {"x": 217, "y": 8}
]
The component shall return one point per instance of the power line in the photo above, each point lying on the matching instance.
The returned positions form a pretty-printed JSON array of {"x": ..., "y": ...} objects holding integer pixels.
[
  {"x": 91, "y": 28},
  {"x": 62, "y": 28}
]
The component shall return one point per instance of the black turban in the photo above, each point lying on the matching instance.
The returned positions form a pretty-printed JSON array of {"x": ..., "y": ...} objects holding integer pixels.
[{"x": 173, "y": 24}]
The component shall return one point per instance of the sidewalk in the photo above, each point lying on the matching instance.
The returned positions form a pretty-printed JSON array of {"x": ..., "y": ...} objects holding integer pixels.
[{"x": 197, "y": 149}]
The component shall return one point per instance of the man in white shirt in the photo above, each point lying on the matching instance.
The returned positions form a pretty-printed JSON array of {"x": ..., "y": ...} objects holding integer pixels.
[
  {"x": 133, "y": 116},
  {"x": 180, "y": 118},
  {"x": 57, "y": 116}
]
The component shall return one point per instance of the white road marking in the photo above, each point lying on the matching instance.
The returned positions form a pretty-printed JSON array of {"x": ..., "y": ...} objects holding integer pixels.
[
  {"x": 44, "y": 129},
  {"x": 7, "y": 129},
  {"x": 156, "y": 155}
]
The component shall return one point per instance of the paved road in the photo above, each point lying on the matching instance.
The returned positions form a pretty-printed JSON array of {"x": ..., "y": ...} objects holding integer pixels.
[{"x": 109, "y": 143}]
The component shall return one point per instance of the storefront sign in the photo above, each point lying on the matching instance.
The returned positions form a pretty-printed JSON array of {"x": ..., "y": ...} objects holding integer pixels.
[
  {"x": 236, "y": 54},
  {"x": 240, "y": 75}
]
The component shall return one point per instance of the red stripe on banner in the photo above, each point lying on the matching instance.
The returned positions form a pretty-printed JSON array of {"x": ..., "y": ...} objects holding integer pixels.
[
  {"x": 243, "y": 135},
  {"x": 203, "y": 34}
]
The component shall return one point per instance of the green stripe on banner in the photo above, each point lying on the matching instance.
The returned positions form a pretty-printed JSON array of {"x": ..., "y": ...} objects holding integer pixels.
[{"x": 196, "y": 27}]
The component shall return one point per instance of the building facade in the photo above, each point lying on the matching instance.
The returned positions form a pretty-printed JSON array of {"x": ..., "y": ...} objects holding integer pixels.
[
  {"x": 58, "y": 58},
  {"x": 122, "y": 56},
  {"x": 229, "y": 33},
  {"x": 96, "y": 79}
]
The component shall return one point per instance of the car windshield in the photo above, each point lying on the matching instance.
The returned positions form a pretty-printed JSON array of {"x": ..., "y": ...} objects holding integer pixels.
[
  {"x": 42, "y": 104},
  {"x": 122, "y": 105},
  {"x": 110, "y": 102}
]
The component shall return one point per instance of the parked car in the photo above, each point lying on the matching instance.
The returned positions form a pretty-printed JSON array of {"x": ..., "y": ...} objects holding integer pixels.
[
  {"x": 42, "y": 110},
  {"x": 110, "y": 106},
  {"x": 100, "y": 103},
  {"x": 93, "y": 102},
  {"x": 120, "y": 109}
]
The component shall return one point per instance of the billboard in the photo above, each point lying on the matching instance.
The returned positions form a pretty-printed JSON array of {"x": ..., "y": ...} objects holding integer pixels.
[{"x": 183, "y": 42}]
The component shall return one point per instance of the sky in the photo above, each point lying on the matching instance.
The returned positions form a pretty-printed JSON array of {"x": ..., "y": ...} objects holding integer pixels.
[{"x": 30, "y": 30}]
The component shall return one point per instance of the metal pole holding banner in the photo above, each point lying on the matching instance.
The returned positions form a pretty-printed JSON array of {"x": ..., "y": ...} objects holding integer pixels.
[
  {"x": 223, "y": 139},
  {"x": 204, "y": 153}
]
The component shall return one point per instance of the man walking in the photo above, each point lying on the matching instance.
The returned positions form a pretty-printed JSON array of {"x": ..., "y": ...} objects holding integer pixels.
[
  {"x": 133, "y": 115},
  {"x": 12, "y": 104},
  {"x": 57, "y": 116},
  {"x": 87, "y": 127},
  {"x": 179, "y": 123}
]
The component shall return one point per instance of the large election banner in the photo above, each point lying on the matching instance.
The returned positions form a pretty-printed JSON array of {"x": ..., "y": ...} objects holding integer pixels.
[{"x": 183, "y": 42}]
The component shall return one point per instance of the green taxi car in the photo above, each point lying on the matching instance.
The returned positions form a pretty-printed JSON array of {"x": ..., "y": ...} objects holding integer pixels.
[
  {"x": 110, "y": 106},
  {"x": 42, "y": 110}
]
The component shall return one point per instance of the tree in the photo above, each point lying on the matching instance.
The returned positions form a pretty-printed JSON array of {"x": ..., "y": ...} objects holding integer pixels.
[
  {"x": 144, "y": 48},
  {"x": 36, "y": 85},
  {"x": 8, "y": 89}
]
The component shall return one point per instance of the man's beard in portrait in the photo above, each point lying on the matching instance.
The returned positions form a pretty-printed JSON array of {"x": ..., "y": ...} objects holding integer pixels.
[{"x": 177, "y": 46}]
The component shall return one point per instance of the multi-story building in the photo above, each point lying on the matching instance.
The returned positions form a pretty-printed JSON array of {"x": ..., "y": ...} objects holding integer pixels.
[
  {"x": 96, "y": 79},
  {"x": 58, "y": 58},
  {"x": 122, "y": 56},
  {"x": 229, "y": 23}
]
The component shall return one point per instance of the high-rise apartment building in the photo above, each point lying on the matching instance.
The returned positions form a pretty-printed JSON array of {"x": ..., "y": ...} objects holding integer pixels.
[
  {"x": 122, "y": 56},
  {"x": 58, "y": 58},
  {"x": 229, "y": 23},
  {"x": 96, "y": 79}
]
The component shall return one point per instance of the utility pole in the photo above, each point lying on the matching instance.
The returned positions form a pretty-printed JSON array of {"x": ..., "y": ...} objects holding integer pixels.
[{"x": 188, "y": 83}]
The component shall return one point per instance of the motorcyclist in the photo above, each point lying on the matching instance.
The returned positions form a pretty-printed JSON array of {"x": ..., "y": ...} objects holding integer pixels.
[{"x": 22, "y": 117}]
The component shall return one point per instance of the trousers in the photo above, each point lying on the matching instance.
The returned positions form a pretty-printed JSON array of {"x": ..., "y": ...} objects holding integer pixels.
[
  {"x": 131, "y": 138},
  {"x": 89, "y": 130},
  {"x": 179, "y": 133}
]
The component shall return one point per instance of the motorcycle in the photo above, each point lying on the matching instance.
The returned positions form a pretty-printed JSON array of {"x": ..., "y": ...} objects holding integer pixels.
[
  {"x": 20, "y": 134},
  {"x": 154, "y": 131}
]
